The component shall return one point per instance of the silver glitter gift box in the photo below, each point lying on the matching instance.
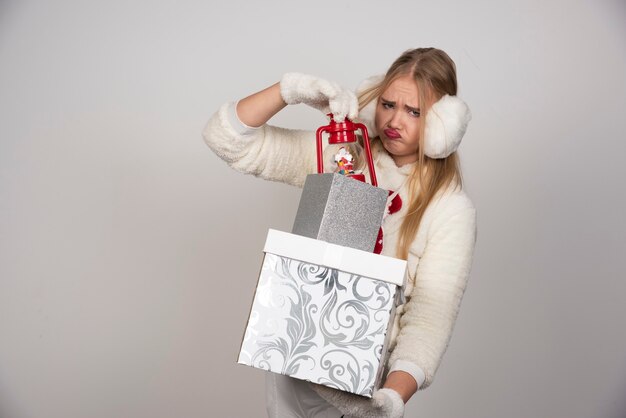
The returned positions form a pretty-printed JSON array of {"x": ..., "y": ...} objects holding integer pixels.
[
  {"x": 322, "y": 313},
  {"x": 340, "y": 210}
]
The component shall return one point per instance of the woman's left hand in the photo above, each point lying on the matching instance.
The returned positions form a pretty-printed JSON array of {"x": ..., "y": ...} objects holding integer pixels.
[{"x": 385, "y": 403}]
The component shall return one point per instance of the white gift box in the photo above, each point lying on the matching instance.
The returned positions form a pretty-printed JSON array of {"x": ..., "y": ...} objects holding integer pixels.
[{"x": 323, "y": 312}]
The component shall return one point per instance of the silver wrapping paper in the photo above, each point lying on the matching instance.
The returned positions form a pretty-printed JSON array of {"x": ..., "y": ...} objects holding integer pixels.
[
  {"x": 319, "y": 324},
  {"x": 340, "y": 210}
]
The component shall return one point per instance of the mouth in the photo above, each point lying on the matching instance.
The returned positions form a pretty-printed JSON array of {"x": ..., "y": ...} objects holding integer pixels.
[{"x": 391, "y": 133}]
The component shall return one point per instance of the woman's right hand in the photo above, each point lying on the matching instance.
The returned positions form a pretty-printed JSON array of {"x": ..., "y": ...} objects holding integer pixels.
[{"x": 320, "y": 94}]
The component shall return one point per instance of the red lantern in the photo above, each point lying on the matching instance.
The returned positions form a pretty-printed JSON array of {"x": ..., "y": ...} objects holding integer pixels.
[{"x": 344, "y": 133}]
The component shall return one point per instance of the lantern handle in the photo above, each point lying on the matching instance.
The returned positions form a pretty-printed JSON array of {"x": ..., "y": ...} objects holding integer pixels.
[
  {"x": 368, "y": 153},
  {"x": 320, "y": 154}
]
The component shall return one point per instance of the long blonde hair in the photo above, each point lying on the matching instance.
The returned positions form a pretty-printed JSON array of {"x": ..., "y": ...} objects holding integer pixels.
[{"x": 435, "y": 75}]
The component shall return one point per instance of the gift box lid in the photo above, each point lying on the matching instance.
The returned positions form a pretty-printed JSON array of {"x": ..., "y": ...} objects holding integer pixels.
[{"x": 363, "y": 263}]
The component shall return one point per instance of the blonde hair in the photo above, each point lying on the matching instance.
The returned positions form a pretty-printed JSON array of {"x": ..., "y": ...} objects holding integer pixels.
[{"x": 434, "y": 73}]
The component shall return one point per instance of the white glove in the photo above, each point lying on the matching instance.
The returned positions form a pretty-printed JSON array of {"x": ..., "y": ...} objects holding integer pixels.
[
  {"x": 385, "y": 403},
  {"x": 321, "y": 94}
]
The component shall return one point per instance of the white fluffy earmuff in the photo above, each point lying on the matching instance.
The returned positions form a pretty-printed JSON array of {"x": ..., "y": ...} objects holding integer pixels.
[{"x": 446, "y": 121}]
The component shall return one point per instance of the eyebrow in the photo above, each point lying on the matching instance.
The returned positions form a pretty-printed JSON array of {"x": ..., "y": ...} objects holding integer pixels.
[{"x": 415, "y": 109}]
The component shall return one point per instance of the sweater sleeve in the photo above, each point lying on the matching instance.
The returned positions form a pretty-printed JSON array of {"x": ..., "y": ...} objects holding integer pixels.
[
  {"x": 429, "y": 316},
  {"x": 269, "y": 152}
]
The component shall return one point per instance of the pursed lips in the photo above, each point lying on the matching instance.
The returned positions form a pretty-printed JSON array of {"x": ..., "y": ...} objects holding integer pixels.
[{"x": 392, "y": 133}]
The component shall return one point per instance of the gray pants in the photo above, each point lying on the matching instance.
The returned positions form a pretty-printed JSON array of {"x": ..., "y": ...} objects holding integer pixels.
[{"x": 287, "y": 397}]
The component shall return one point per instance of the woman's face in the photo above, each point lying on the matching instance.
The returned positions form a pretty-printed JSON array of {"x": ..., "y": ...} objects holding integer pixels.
[{"x": 398, "y": 120}]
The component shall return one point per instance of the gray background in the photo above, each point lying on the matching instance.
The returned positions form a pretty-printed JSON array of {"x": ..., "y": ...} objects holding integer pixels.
[{"x": 129, "y": 252}]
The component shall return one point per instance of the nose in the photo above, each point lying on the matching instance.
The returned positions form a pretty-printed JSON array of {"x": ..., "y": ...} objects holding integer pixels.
[{"x": 396, "y": 120}]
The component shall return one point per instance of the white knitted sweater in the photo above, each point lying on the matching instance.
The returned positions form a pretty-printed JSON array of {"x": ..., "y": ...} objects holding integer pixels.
[{"x": 439, "y": 258}]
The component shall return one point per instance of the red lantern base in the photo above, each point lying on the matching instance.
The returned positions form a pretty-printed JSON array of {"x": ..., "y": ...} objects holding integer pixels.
[{"x": 359, "y": 177}]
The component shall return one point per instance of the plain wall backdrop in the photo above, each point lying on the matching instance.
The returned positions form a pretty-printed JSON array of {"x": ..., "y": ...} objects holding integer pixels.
[{"x": 129, "y": 252}]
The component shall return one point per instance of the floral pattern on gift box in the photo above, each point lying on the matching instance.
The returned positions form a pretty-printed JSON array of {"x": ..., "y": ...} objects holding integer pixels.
[{"x": 319, "y": 324}]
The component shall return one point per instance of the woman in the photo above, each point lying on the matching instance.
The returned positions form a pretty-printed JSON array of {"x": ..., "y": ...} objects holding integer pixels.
[{"x": 416, "y": 123}]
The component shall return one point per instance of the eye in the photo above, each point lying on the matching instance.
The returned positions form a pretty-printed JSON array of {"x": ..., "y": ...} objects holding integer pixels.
[
  {"x": 386, "y": 105},
  {"x": 414, "y": 113}
]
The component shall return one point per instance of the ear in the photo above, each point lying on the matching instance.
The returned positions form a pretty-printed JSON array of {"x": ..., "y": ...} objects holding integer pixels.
[
  {"x": 368, "y": 113},
  {"x": 446, "y": 123}
]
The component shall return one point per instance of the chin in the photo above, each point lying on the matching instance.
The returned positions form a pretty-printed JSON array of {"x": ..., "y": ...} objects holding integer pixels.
[
  {"x": 398, "y": 152},
  {"x": 391, "y": 145},
  {"x": 385, "y": 144}
]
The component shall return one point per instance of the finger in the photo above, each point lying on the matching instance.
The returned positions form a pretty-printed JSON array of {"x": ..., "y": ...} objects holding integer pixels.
[
  {"x": 325, "y": 109},
  {"x": 353, "y": 111},
  {"x": 338, "y": 107},
  {"x": 339, "y": 115}
]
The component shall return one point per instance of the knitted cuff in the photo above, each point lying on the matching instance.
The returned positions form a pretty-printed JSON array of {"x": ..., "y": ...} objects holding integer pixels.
[
  {"x": 236, "y": 123},
  {"x": 410, "y": 368}
]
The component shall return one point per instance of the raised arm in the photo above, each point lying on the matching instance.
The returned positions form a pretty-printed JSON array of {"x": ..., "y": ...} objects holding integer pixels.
[
  {"x": 294, "y": 88},
  {"x": 241, "y": 137}
]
